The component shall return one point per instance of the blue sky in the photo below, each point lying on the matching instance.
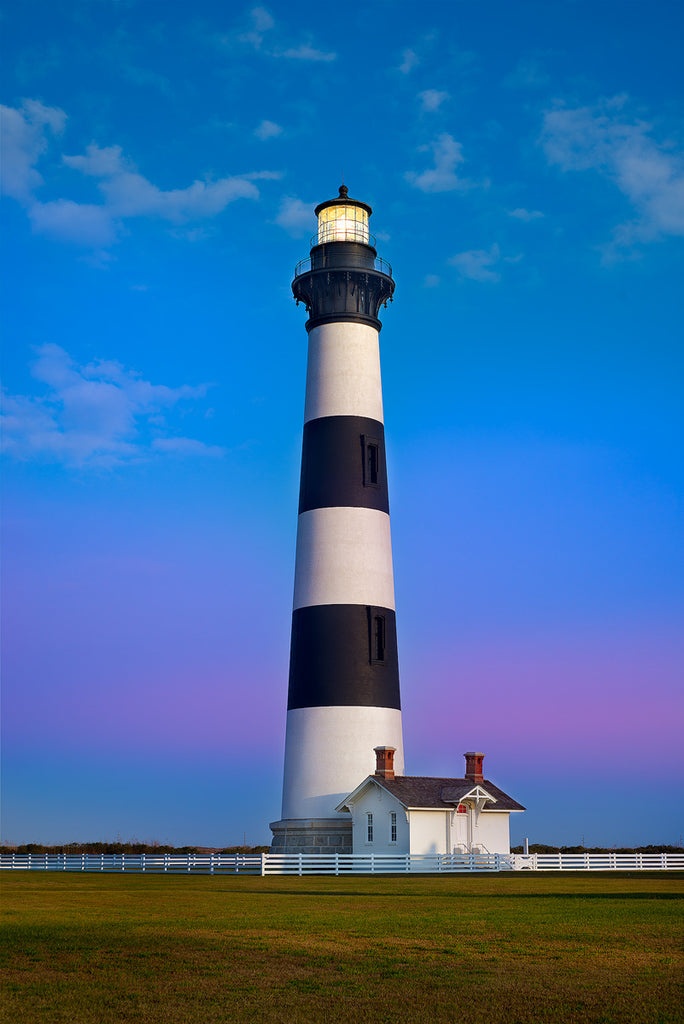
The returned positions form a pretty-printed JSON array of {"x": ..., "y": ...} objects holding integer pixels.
[{"x": 160, "y": 167}]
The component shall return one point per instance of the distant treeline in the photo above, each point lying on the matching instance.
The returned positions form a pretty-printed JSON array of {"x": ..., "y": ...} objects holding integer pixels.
[
  {"x": 119, "y": 848},
  {"x": 541, "y": 848},
  {"x": 133, "y": 848}
]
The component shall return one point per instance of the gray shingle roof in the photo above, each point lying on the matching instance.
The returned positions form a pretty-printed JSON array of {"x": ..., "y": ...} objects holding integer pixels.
[{"x": 423, "y": 791}]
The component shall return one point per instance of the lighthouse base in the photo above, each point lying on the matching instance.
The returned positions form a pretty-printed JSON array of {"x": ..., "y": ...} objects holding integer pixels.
[{"x": 312, "y": 835}]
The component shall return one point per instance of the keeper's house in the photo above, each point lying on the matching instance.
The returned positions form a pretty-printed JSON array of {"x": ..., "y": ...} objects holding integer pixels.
[{"x": 413, "y": 814}]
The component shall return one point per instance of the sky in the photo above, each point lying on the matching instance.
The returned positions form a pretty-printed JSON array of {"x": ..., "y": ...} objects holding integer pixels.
[{"x": 161, "y": 162}]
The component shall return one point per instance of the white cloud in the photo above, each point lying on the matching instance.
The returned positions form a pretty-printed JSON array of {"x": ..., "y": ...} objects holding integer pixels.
[
  {"x": 262, "y": 22},
  {"x": 99, "y": 162},
  {"x": 476, "y": 264},
  {"x": 268, "y": 130},
  {"x": 128, "y": 194},
  {"x": 125, "y": 192},
  {"x": 306, "y": 52},
  {"x": 296, "y": 216},
  {"x": 522, "y": 214},
  {"x": 409, "y": 62},
  {"x": 99, "y": 414},
  {"x": 23, "y": 142},
  {"x": 442, "y": 177},
  {"x": 527, "y": 74},
  {"x": 261, "y": 19},
  {"x": 649, "y": 175},
  {"x": 186, "y": 446},
  {"x": 432, "y": 99},
  {"x": 432, "y": 280},
  {"x": 145, "y": 77},
  {"x": 83, "y": 223}
]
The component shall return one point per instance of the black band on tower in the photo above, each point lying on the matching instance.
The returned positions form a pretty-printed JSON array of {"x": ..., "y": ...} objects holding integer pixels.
[
  {"x": 343, "y": 655},
  {"x": 343, "y": 464}
]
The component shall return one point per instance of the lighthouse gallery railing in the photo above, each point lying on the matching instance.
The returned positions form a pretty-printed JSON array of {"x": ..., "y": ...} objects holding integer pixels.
[{"x": 322, "y": 262}]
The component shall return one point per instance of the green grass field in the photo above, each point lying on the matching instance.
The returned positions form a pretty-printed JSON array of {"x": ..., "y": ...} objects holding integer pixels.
[{"x": 198, "y": 950}]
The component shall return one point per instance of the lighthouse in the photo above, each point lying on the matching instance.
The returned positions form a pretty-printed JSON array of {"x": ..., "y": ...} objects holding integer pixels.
[{"x": 343, "y": 693}]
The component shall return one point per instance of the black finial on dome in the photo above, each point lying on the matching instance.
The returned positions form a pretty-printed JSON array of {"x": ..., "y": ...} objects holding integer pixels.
[{"x": 344, "y": 191}]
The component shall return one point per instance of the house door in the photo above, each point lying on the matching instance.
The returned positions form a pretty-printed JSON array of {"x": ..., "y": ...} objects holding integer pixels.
[{"x": 459, "y": 832}]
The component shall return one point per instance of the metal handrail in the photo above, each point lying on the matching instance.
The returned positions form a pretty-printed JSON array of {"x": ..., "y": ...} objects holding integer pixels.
[{"x": 305, "y": 266}]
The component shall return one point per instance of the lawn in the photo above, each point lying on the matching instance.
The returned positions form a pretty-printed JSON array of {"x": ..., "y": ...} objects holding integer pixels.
[{"x": 518, "y": 948}]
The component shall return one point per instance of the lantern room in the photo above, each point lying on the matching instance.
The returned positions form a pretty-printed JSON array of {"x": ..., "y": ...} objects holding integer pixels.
[{"x": 343, "y": 220}]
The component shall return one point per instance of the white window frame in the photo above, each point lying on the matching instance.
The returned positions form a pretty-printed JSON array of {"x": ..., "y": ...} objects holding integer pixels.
[
  {"x": 393, "y": 834},
  {"x": 369, "y": 827}
]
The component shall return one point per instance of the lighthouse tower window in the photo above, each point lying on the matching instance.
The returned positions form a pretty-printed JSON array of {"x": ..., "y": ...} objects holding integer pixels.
[
  {"x": 377, "y": 638},
  {"x": 371, "y": 461},
  {"x": 372, "y": 456}
]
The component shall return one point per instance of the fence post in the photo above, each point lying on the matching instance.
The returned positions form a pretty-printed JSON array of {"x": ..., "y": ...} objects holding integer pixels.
[
  {"x": 263, "y": 864},
  {"x": 102, "y": 862},
  {"x": 337, "y": 863}
]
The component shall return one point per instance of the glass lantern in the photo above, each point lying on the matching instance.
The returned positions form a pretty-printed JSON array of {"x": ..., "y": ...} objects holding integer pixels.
[{"x": 343, "y": 223}]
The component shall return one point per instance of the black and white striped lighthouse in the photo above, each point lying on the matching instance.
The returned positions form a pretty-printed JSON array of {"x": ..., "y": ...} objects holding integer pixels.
[{"x": 343, "y": 697}]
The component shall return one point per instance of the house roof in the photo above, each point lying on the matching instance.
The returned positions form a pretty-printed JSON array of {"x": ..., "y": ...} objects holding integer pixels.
[{"x": 422, "y": 791}]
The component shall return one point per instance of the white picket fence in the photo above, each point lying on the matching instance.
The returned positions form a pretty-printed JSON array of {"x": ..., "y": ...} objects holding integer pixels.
[
  {"x": 338, "y": 864},
  {"x": 599, "y": 861}
]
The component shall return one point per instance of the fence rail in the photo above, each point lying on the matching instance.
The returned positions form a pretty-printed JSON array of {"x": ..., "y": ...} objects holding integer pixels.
[
  {"x": 599, "y": 861},
  {"x": 338, "y": 864}
]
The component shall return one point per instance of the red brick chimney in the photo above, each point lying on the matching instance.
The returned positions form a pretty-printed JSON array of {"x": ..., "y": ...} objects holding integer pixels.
[
  {"x": 384, "y": 762},
  {"x": 473, "y": 770}
]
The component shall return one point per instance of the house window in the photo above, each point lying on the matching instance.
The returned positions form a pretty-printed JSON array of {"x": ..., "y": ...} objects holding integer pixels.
[
  {"x": 369, "y": 828},
  {"x": 461, "y": 809},
  {"x": 371, "y": 461},
  {"x": 393, "y": 827}
]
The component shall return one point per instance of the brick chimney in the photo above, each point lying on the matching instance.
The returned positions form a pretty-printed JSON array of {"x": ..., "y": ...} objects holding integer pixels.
[
  {"x": 384, "y": 762},
  {"x": 473, "y": 770}
]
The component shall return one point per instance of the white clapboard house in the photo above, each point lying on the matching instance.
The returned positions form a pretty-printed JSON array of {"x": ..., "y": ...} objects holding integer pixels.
[{"x": 415, "y": 814}]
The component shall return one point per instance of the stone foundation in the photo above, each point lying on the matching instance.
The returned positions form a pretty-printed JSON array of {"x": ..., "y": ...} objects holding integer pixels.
[{"x": 312, "y": 835}]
